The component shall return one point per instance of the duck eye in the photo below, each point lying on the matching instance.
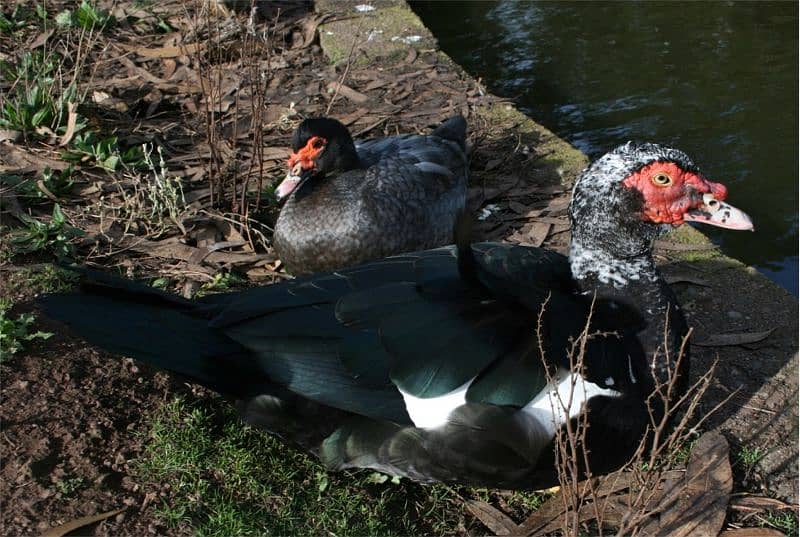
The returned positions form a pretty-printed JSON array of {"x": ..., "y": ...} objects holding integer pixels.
[
  {"x": 317, "y": 143},
  {"x": 662, "y": 179}
]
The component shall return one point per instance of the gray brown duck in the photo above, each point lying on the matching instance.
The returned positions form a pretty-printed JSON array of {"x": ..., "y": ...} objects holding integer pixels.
[{"x": 349, "y": 202}]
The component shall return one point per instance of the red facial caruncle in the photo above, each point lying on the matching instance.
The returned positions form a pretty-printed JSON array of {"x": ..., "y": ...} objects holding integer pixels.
[
  {"x": 670, "y": 192},
  {"x": 304, "y": 159}
]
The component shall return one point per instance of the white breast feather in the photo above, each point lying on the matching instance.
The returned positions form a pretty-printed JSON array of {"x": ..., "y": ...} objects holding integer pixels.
[{"x": 432, "y": 412}]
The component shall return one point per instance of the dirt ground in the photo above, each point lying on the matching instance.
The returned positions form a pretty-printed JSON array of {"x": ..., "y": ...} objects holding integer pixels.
[{"x": 68, "y": 409}]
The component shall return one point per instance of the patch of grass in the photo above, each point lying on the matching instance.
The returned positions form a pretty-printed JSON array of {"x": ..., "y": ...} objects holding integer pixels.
[
  {"x": 42, "y": 279},
  {"x": 87, "y": 16},
  {"x": 784, "y": 521},
  {"x": 69, "y": 486},
  {"x": 20, "y": 17},
  {"x": 747, "y": 458},
  {"x": 57, "y": 183},
  {"x": 230, "y": 479},
  {"x": 525, "y": 501},
  {"x": 106, "y": 153},
  {"x": 37, "y": 105},
  {"x": 53, "y": 236},
  {"x": 221, "y": 281},
  {"x": 16, "y": 333}
]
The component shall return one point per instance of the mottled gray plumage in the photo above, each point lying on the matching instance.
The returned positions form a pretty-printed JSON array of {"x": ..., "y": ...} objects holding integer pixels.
[{"x": 403, "y": 196}]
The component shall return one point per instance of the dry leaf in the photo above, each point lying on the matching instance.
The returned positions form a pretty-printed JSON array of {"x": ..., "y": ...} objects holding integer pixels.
[
  {"x": 493, "y": 519},
  {"x": 72, "y": 120},
  {"x": 737, "y": 338},
  {"x": 697, "y": 504},
  {"x": 752, "y": 532},
  {"x": 355, "y": 96},
  {"x": 41, "y": 39},
  {"x": 166, "y": 51},
  {"x": 63, "y": 529}
]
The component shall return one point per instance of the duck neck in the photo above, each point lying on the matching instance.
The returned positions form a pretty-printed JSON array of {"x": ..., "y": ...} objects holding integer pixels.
[
  {"x": 632, "y": 283},
  {"x": 612, "y": 263}
]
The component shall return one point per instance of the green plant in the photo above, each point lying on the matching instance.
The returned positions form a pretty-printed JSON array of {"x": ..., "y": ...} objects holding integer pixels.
[
  {"x": 749, "y": 457},
  {"x": 54, "y": 236},
  {"x": 57, "y": 183},
  {"x": 88, "y": 147},
  {"x": 229, "y": 479},
  {"x": 15, "y": 333},
  {"x": 87, "y": 16},
  {"x": 785, "y": 521},
  {"x": 37, "y": 104},
  {"x": 69, "y": 486},
  {"x": 20, "y": 17},
  {"x": 42, "y": 279},
  {"x": 221, "y": 281}
]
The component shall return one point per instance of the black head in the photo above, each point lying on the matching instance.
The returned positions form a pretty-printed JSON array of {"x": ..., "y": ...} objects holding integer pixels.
[{"x": 319, "y": 146}]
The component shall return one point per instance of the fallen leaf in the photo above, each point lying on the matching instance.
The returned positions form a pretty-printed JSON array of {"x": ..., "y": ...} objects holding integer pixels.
[
  {"x": 685, "y": 278},
  {"x": 752, "y": 532},
  {"x": 759, "y": 503},
  {"x": 736, "y": 338},
  {"x": 355, "y": 96},
  {"x": 493, "y": 519},
  {"x": 696, "y": 505},
  {"x": 72, "y": 120},
  {"x": 166, "y": 51},
  {"x": 41, "y": 39},
  {"x": 63, "y": 529}
]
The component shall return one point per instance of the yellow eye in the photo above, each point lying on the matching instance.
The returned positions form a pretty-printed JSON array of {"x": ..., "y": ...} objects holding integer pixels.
[{"x": 661, "y": 179}]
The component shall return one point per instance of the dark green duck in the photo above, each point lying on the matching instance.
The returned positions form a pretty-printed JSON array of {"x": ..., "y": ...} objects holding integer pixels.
[{"x": 428, "y": 365}]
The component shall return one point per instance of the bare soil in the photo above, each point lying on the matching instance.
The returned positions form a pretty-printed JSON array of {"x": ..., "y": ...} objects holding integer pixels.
[{"x": 70, "y": 411}]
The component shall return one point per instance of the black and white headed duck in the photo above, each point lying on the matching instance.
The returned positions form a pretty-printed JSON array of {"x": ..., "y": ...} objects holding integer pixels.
[
  {"x": 349, "y": 202},
  {"x": 433, "y": 365}
]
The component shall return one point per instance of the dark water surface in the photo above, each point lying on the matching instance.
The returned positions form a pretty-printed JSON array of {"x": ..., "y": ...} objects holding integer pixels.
[{"x": 717, "y": 80}]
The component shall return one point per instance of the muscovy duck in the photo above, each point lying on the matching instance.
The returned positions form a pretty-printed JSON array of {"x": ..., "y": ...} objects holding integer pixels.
[
  {"x": 348, "y": 202},
  {"x": 430, "y": 365}
]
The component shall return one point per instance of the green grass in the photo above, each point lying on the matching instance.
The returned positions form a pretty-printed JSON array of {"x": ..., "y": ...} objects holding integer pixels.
[
  {"x": 42, "y": 279},
  {"x": 58, "y": 183},
  {"x": 220, "y": 282},
  {"x": 748, "y": 457},
  {"x": 87, "y": 16},
  {"x": 16, "y": 333},
  {"x": 67, "y": 487},
  {"x": 104, "y": 152},
  {"x": 230, "y": 479},
  {"x": 784, "y": 521},
  {"x": 38, "y": 236}
]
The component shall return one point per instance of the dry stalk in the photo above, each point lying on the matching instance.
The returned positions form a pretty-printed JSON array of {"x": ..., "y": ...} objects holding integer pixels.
[
  {"x": 340, "y": 83},
  {"x": 655, "y": 455}
]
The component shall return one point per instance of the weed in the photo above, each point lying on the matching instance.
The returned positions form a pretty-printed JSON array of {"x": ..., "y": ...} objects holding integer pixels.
[
  {"x": 45, "y": 278},
  {"x": 52, "y": 184},
  {"x": 15, "y": 333},
  {"x": 87, "y": 16},
  {"x": 69, "y": 486},
  {"x": 229, "y": 479},
  {"x": 88, "y": 147},
  {"x": 221, "y": 281},
  {"x": 747, "y": 458},
  {"x": 37, "y": 105},
  {"x": 53, "y": 237},
  {"x": 21, "y": 17},
  {"x": 783, "y": 521}
]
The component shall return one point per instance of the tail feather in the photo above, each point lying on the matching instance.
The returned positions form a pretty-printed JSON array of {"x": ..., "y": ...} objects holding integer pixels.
[{"x": 155, "y": 327}]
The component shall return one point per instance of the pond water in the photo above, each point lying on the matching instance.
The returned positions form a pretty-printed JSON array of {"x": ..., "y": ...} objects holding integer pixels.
[{"x": 717, "y": 80}]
